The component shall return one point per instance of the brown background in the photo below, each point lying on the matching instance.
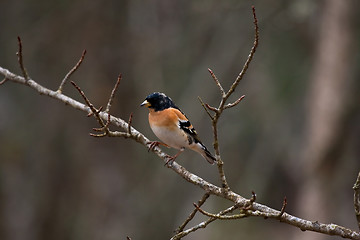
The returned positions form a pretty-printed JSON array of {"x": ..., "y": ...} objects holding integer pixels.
[{"x": 296, "y": 134}]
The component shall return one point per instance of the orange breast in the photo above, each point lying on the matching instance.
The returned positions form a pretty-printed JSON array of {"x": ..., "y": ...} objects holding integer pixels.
[{"x": 166, "y": 118}]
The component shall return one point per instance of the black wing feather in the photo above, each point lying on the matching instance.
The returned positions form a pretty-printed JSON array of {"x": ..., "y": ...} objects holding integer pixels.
[{"x": 186, "y": 127}]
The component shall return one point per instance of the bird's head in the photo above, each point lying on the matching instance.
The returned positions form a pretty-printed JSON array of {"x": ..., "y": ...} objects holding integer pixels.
[{"x": 158, "y": 101}]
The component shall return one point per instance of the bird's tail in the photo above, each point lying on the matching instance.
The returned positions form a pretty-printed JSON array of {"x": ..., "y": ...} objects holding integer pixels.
[{"x": 208, "y": 156}]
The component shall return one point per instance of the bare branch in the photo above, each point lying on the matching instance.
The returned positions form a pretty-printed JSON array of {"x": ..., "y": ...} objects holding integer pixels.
[
  {"x": 282, "y": 211},
  {"x": 211, "y": 108},
  {"x": 20, "y": 59},
  {"x": 105, "y": 126},
  {"x": 250, "y": 57},
  {"x": 72, "y": 71},
  {"x": 303, "y": 224},
  {"x": 202, "y": 224},
  {"x": 220, "y": 216},
  {"x": 253, "y": 197},
  {"x": 111, "y": 98},
  {"x": 243, "y": 210},
  {"x": 218, "y": 111},
  {"x": 93, "y": 109},
  {"x": 249, "y": 205},
  {"x": 246, "y": 206},
  {"x": 242, "y": 214},
  {"x": 224, "y": 182},
  {"x": 222, "y": 92},
  {"x": 230, "y": 105},
  {"x": 95, "y": 113},
  {"x": 129, "y": 123},
  {"x": 110, "y": 134},
  {"x": 118, "y": 122},
  {"x": 3, "y": 81},
  {"x": 206, "y": 108},
  {"x": 104, "y": 129},
  {"x": 357, "y": 199},
  {"x": 192, "y": 215},
  {"x": 104, "y": 134}
]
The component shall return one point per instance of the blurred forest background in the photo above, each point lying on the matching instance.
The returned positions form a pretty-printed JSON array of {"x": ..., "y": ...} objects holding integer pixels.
[{"x": 296, "y": 134}]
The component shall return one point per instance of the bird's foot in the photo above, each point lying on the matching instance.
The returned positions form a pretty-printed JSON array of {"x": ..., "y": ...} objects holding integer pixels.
[
  {"x": 170, "y": 159},
  {"x": 154, "y": 144}
]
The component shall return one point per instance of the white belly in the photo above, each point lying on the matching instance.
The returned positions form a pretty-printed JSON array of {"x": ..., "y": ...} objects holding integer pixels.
[{"x": 177, "y": 139}]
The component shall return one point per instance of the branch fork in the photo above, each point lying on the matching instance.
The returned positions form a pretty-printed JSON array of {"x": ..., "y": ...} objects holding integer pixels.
[
  {"x": 217, "y": 111},
  {"x": 67, "y": 76},
  {"x": 104, "y": 126}
]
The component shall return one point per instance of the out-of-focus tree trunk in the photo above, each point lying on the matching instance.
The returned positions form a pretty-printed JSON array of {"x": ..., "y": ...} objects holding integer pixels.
[{"x": 326, "y": 107}]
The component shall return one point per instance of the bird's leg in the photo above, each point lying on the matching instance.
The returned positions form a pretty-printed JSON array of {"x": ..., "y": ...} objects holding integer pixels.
[
  {"x": 154, "y": 144},
  {"x": 171, "y": 159}
]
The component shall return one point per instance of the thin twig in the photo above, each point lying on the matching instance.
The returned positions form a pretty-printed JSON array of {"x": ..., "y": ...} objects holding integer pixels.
[
  {"x": 204, "y": 106},
  {"x": 211, "y": 108},
  {"x": 108, "y": 120},
  {"x": 92, "y": 108},
  {"x": 219, "y": 162},
  {"x": 253, "y": 197},
  {"x": 20, "y": 60},
  {"x": 220, "y": 216},
  {"x": 202, "y": 224},
  {"x": 282, "y": 211},
  {"x": 192, "y": 214},
  {"x": 218, "y": 111},
  {"x": 357, "y": 199},
  {"x": 249, "y": 59},
  {"x": 230, "y": 105},
  {"x": 222, "y": 92},
  {"x": 111, "y": 134},
  {"x": 129, "y": 123},
  {"x": 71, "y": 71},
  {"x": 104, "y": 129},
  {"x": 249, "y": 205},
  {"x": 104, "y": 134},
  {"x": 104, "y": 126},
  {"x": 3, "y": 81},
  {"x": 111, "y": 98},
  {"x": 224, "y": 182},
  {"x": 245, "y": 211},
  {"x": 243, "y": 214}
]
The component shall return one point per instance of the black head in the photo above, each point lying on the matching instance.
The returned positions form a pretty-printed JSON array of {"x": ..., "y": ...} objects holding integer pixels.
[{"x": 158, "y": 101}]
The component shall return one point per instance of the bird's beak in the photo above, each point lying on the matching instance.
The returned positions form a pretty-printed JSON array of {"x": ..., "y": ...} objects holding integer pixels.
[{"x": 145, "y": 103}]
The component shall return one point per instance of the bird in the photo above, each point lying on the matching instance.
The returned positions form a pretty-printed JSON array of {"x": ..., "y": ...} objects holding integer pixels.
[{"x": 172, "y": 127}]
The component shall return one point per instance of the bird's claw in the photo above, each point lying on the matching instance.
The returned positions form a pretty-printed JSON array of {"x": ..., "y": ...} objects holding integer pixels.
[
  {"x": 154, "y": 144},
  {"x": 169, "y": 160}
]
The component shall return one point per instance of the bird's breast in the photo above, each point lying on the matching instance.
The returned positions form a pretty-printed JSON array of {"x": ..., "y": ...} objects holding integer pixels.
[{"x": 165, "y": 125}]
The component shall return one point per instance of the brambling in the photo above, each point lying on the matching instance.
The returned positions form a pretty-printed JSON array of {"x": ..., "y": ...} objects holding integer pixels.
[{"x": 172, "y": 127}]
